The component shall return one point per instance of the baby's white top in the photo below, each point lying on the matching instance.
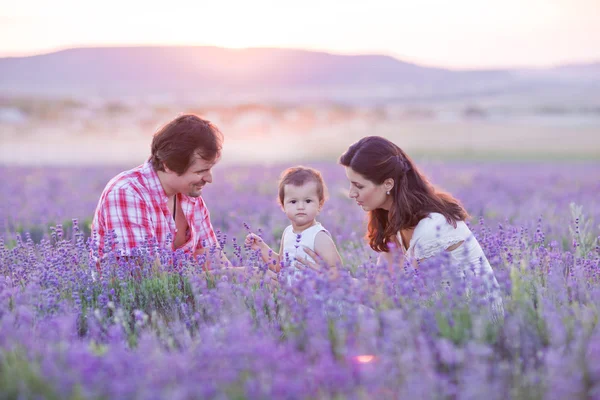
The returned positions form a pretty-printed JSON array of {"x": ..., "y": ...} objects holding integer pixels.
[{"x": 293, "y": 243}]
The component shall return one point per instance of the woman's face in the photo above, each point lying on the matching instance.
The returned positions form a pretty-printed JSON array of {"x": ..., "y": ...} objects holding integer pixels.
[{"x": 366, "y": 193}]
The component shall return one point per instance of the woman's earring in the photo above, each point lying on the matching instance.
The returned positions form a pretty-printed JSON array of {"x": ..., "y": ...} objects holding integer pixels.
[{"x": 388, "y": 192}]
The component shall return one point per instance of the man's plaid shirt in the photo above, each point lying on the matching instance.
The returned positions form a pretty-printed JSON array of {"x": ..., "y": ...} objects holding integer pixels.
[{"x": 134, "y": 206}]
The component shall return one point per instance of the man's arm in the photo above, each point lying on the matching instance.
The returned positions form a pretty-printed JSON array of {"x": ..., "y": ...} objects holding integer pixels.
[
  {"x": 207, "y": 235},
  {"x": 220, "y": 257},
  {"x": 123, "y": 212}
]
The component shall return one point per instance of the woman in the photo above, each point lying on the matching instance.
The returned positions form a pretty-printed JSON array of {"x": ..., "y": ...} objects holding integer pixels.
[{"x": 406, "y": 212}]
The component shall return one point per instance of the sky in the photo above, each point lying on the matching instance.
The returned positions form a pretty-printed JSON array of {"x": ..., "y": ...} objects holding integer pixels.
[{"x": 459, "y": 34}]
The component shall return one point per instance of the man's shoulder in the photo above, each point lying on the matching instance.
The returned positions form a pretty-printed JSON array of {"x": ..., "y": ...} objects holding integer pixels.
[{"x": 128, "y": 182}]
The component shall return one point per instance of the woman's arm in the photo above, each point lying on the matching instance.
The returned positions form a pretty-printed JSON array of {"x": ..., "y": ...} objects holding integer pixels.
[{"x": 385, "y": 258}]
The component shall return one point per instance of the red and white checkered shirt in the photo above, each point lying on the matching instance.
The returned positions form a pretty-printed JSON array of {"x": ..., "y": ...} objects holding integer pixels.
[{"x": 134, "y": 205}]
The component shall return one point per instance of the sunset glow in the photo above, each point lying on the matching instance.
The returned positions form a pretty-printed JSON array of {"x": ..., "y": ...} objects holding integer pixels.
[{"x": 460, "y": 34}]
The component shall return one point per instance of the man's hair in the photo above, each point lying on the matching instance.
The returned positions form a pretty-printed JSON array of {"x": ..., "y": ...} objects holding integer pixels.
[
  {"x": 177, "y": 142},
  {"x": 300, "y": 175}
]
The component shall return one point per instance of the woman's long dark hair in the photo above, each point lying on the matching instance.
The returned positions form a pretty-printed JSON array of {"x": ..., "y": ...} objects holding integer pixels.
[{"x": 378, "y": 159}]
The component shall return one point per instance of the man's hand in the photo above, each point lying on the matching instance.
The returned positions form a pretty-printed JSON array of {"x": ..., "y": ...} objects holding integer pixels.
[{"x": 220, "y": 259}]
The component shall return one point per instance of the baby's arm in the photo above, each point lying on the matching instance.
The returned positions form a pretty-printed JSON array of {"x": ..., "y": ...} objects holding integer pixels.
[
  {"x": 277, "y": 267},
  {"x": 267, "y": 254},
  {"x": 326, "y": 249}
]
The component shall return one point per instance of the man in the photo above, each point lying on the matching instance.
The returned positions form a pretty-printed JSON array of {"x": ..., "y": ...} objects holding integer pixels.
[{"x": 161, "y": 199}]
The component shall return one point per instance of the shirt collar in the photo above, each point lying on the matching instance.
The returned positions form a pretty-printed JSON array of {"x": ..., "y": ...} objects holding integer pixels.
[
  {"x": 155, "y": 187},
  {"x": 153, "y": 183}
]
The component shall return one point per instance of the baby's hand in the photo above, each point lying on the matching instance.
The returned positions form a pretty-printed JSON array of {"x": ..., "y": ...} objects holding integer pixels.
[{"x": 255, "y": 242}]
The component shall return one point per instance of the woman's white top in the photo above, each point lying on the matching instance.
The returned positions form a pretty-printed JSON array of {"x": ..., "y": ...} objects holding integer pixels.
[
  {"x": 292, "y": 247},
  {"x": 434, "y": 234}
]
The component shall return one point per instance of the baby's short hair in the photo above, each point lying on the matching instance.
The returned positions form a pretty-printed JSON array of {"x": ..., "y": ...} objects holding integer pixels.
[{"x": 298, "y": 176}]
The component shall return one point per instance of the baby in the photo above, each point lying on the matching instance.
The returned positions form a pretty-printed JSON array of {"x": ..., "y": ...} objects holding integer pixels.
[{"x": 302, "y": 194}]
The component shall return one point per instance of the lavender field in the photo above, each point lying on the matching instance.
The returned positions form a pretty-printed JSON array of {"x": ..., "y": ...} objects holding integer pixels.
[{"x": 168, "y": 330}]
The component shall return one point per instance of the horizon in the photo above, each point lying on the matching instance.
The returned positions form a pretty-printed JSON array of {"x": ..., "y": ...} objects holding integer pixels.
[
  {"x": 590, "y": 61},
  {"x": 465, "y": 34}
]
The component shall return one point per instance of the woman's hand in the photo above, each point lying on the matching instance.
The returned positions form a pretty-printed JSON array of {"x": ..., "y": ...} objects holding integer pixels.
[
  {"x": 308, "y": 263},
  {"x": 330, "y": 270}
]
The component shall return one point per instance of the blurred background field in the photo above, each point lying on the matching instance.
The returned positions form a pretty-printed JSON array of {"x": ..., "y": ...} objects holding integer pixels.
[
  {"x": 42, "y": 131},
  {"x": 102, "y": 105},
  {"x": 519, "y": 194}
]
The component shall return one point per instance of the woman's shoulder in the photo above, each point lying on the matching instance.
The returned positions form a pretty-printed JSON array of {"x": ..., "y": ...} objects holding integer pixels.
[
  {"x": 435, "y": 231},
  {"x": 432, "y": 224}
]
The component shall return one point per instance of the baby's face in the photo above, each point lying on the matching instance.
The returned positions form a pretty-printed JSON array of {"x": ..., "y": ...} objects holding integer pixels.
[{"x": 301, "y": 204}]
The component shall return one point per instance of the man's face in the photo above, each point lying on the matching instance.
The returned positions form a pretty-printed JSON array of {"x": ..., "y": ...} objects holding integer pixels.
[{"x": 192, "y": 181}]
